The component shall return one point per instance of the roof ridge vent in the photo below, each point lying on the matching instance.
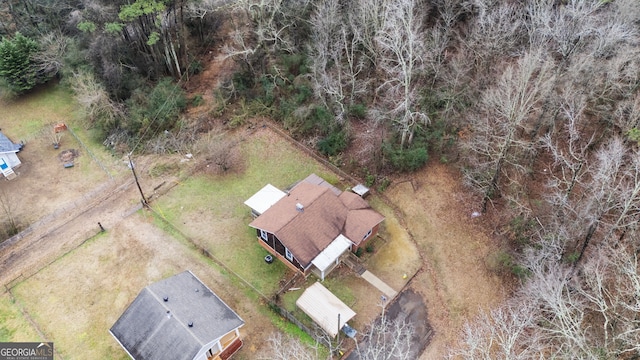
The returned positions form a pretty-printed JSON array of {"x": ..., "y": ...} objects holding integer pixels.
[{"x": 299, "y": 207}]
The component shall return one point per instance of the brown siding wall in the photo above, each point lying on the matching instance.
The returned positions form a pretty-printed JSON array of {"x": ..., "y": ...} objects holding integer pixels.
[
  {"x": 269, "y": 240},
  {"x": 276, "y": 248}
]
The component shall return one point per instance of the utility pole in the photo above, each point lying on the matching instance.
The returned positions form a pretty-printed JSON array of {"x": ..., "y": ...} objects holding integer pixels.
[
  {"x": 338, "y": 329},
  {"x": 133, "y": 170}
]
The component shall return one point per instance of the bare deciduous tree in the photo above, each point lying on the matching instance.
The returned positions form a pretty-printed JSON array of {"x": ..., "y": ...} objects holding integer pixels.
[
  {"x": 367, "y": 19},
  {"x": 626, "y": 11},
  {"x": 220, "y": 152},
  {"x": 50, "y": 58},
  {"x": 506, "y": 332},
  {"x": 601, "y": 197},
  {"x": 336, "y": 65},
  {"x": 497, "y": 29},
  {"x": 94, "y": 99},
  {"x": 200, "y": 9},
  {"x": 566, "y": 27},
  {"x": 494, "y": 146},
  {"x": 9, "y": 222},
  {"x": 623, "y": 288},
  {"x": 401, "y": 45},
  {"x": 326, "y": 52},
  {"x": 570, "y": 154},
  {"x": 387, "y": 340},
  {"x": 274, "y": 21},
  {"x": 283, "y": 347}
]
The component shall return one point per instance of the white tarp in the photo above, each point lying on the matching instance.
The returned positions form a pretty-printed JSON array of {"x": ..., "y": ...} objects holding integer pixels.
[
  {"x": 265, "y": 198},
  {"x": 329, "y": 255},
  {"x": 325, "y": 308}
]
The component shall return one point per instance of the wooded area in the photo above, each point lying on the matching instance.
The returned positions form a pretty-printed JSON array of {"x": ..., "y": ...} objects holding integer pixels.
[{"x": 537, "y": 102}]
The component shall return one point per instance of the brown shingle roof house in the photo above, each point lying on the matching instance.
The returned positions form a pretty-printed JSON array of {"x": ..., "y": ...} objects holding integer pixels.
[{"x": 312, "y": 225}]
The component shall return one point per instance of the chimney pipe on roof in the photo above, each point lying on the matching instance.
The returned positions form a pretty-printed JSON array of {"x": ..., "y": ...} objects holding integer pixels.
[{"x": 299, "y": 207}]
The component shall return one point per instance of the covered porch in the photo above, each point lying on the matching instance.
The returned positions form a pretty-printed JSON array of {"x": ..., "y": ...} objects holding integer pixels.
[
  {"x": 226, "y": 346},
  {"x": 329, "y": 258}
]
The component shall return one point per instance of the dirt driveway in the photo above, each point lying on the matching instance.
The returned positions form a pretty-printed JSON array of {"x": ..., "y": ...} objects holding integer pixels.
[{"x": 407, "y": 308}]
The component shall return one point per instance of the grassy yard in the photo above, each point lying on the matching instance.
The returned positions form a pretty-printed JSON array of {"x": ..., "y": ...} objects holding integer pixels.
[
  {"x": 14, "y": 325},
  {"x": 70, "y": 302},
  {"x": 24, "y": 117},
  {"x": 210, "y": 209},
  {"x": 43, "y": 185},
  {"x": 32, "y": 115},
  {"x": 77, "y": 299}
]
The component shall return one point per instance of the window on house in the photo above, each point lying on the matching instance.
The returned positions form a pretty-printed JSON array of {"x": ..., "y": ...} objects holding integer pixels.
[
  {"x": 367, "y": 234},
  {"x": 263, "y": 235},
  {"x": 288, "y": 254}
]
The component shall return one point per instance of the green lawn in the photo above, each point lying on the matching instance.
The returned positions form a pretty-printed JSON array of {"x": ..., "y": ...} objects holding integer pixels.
[
  {"x": 32, "y": 115},
  {"x": 14, "y": 325},
  {"x": 26, "y": 116},
  {"x": 211, "y": 211},
  {"x": 72, "y": 302}
]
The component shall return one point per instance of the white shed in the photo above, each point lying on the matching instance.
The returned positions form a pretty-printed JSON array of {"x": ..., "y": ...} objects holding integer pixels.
[
  {"x": 329, "y": 312},
  {"x": 264, "y": 199}
]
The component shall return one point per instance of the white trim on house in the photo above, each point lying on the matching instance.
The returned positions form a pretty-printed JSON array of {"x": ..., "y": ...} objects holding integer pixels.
[{"x": 331, "y": 255}]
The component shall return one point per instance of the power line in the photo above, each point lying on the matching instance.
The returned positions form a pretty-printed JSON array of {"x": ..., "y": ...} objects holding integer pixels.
[{"x": 135, "y": 176}]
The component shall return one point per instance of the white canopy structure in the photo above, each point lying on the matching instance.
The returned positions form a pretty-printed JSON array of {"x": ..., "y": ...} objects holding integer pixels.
[
  {"x": 325, "y": 309},
  {"x": 264, "y": 199}
]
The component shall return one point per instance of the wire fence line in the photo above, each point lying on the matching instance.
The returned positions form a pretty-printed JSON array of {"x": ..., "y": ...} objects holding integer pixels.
[
  {"x": 271, "y": 301},
  {"x": 90, "y": 153},
  {"x": 207, "y": 253}
]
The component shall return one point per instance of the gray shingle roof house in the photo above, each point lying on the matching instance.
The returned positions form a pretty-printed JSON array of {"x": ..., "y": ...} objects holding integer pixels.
[
  {"x": 310, "y": 227},
  {"x": 178, "y": 318},
  {"x": 8, "y": 158}
]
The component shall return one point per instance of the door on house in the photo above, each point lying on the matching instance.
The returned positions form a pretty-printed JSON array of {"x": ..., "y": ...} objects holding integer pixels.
[{"x": 3, "y": 165}]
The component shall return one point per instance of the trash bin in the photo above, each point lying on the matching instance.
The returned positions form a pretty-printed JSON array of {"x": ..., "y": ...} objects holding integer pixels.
[{"x": 268, "y": 259}]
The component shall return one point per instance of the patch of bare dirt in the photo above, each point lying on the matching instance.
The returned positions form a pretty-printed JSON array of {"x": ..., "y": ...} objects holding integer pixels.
[
  {"x": 44, "y": 186},
  {"x": 454, "y": 281},
  {"x": 68, "y": 156},
  {"x": 217, "y": 68}
]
